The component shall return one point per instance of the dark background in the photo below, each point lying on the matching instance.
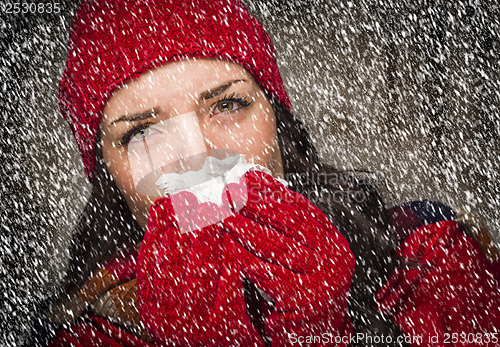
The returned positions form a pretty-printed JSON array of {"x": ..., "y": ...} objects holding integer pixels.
[{"x": 406, "y": 89}]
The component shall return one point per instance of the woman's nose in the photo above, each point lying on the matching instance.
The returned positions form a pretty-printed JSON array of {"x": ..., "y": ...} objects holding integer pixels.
[{"x": 209, "y": 144}]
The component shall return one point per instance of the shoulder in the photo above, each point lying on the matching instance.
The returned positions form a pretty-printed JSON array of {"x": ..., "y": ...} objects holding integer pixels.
[{"x": 405, "y": 218}]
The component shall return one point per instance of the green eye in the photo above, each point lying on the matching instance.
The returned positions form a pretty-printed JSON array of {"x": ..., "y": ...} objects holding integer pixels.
[
  {"x": 141, "y": 134},
  {"x": 230, "y": 104},
  {"x": 226, "y": 106}
]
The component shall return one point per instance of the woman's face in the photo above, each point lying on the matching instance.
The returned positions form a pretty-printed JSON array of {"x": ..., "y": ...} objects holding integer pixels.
[{"x": 231, "y": 110}]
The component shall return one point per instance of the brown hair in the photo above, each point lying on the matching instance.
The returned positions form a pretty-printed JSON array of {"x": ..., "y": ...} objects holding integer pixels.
[{"x": 352, "y": 204}]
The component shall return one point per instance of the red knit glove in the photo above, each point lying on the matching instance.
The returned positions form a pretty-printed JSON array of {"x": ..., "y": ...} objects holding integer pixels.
[
  {"x": 449, "y": 296},
  {"x": 289, "y": 249},
  {"x": 189, "y": 284}
]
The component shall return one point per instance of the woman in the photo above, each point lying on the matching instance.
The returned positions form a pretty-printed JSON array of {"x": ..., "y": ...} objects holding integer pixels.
[{"x": 255, "y": 277}]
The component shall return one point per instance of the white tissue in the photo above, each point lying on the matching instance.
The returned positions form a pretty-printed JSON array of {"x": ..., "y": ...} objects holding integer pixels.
[{"x": 208, "y": 183}]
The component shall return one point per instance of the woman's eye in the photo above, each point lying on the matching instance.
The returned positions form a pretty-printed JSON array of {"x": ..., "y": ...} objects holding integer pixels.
[
  {"x": 143, "y": 132},
  {"x": 225, "y": 106},
  {"x": 140, "y": 135},
  {"x": 230, "y": 104}
]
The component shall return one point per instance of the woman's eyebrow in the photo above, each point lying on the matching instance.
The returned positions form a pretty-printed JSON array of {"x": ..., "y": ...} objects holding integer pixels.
[
  {"x": 213, "y": 92},
  {"x": 209, "y": 94},
  {"x": 134, "y": 117}
]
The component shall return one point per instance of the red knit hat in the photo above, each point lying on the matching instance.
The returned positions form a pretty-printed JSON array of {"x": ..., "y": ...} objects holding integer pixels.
[{"x": 113, "y": 41}]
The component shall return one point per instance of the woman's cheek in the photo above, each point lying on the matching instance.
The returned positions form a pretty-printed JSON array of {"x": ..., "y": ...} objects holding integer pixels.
[
  {"x": 119, "y": 167},
  {"x": 120, "y": 170},
  {"x": 254, "y": 136}
]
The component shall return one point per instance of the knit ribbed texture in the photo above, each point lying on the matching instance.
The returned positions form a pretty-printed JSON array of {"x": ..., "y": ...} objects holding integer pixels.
[
  {"x": 190, "y": 284},
  {"x": 448, "y": 289}
]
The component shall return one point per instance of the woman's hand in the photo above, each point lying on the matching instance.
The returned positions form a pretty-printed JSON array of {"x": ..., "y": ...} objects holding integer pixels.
[
  {"x": 290, "y": 250},
  {"x": 189, "y": 284},
  {"x": 447, "y": 295}
]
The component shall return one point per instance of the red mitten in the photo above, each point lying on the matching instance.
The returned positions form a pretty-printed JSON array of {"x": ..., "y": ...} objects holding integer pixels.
[
  {"x": 189, "y": 283},
  {"x": 449, "y": 296},
  {"x": 289, "y": 249}
]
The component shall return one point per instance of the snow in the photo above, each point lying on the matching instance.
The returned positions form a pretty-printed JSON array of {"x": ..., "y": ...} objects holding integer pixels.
[{"x": 407, "y": 91}]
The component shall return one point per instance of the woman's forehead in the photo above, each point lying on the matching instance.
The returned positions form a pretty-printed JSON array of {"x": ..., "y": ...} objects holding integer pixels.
[
  {"x": 188, "y": 74},
  {"x": 176, "y": 85}
]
